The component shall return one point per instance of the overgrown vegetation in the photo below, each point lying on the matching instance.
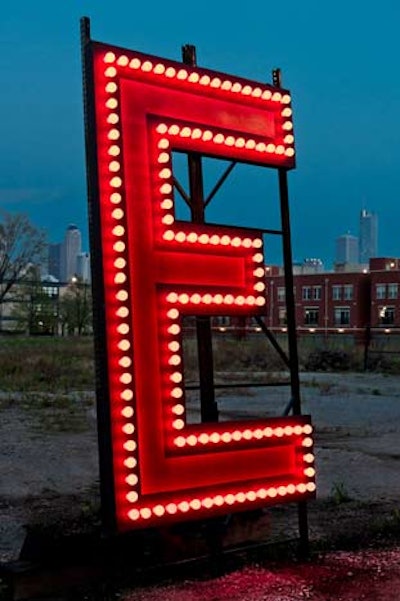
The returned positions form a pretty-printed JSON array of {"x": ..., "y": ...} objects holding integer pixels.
[
  {"x": 250, "y": 357},
  {"x": 65, "y": 364},
  {"x": 48, "y": 364},
  {"x": 52, "y": 412}
]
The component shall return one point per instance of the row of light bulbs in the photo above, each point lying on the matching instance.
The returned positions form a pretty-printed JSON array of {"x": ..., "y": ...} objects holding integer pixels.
[
  {"x": 196, "y": 504},
  {"x": 176, "y": 416},
  {"x": 113, "y": 150},
  {"x": 222, "y": 138},
  {"x": 193, "y": 77},
  {"x": 246, "y": 435}
]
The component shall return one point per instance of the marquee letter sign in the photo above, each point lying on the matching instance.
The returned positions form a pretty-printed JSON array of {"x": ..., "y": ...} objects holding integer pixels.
[{"x": 158, "y": 269}]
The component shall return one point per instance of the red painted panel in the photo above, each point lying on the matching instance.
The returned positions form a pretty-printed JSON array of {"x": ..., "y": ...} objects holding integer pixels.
[{"x": 158, "y": 269}]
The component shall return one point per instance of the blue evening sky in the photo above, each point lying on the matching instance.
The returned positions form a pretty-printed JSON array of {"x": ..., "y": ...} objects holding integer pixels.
[{"x": 340, "y": 60}]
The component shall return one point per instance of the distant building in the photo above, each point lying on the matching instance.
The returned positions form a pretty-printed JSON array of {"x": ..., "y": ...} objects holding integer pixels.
[
  {"x": 83, "y": 267},
  {"x": 54, "y": 260},
  {"x": 72, "y": 247},
  {"x": 368, "y": 236},
  {"x": 309, "y": 265},
  {"x": 339, "y": 302},
  {"x": 347, "y": 251}
]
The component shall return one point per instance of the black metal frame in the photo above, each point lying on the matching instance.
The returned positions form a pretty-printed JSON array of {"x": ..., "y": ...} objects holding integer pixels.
[
  {"x": 107, "y": 495},
  {"x": 197, "y": 204}
]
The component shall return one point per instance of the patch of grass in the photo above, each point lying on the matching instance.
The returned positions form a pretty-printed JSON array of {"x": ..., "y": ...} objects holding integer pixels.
[
  {"x": 50, "y": 365},
  {"x": 49, "y": 412},
  {"x": 339, "y": 493},
  {"x": 252, "y": 356},
  {"x": 325, "y": 387}
]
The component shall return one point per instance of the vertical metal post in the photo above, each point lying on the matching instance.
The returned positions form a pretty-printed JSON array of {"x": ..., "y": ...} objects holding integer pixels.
[
  {"x": 208, "y": 405},
  {"x": 100, "y": 346},
  {"x": 291, "y": 322},
  {"x": 367, "y": 342}
]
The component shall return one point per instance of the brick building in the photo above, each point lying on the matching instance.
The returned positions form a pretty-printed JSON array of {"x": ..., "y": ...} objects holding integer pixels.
[
  {"x": 385, "y": 293},
  {"x": 338, "y": 301}
]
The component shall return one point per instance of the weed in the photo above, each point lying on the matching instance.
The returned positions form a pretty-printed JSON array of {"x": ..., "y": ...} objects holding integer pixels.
[
  {"x": 56, "y": 412},
  {"x": 339, "y": 493},
  {"x": 324, "y": 387}
]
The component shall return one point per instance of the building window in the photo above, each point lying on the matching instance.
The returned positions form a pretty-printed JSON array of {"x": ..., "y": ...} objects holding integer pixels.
[
  {"x": 50, "y": 290},
  {"x": 281, "y": 292},
  {"x": 381, "y": 291},
  {"x": 386, "y": 316},
  {"x": 348, "y": 292},
  {"x": 336, "y": 292},
  {"x": 393, "y": 290},
  {"x": 317, "y": 292},
  {"x": 311, "y": 316},
  {"x": 306, "y": 292},
  {"x": 282, "y": 318},
  {"x": 222, "y": 320},
  {"x": 342, "y": 316}
]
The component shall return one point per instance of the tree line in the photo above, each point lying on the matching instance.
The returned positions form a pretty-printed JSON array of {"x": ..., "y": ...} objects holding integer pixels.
[{"x": 31, "y": 304}]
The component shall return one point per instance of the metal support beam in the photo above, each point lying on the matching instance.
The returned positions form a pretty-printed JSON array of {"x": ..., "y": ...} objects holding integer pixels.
[
  {"x": 273, "y": 340},
  {"x": 219, "y": 183},
  {"x": 181, "y": 191},
  {"x": 208, "y": 405},
  {"x": 289, "y": 290},
  {"x": 304, "y": 546},
  {"x": 100, "y": 346}
]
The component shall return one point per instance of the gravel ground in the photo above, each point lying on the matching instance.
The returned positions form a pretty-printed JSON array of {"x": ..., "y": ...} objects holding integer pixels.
[
  {"x": 342, "y": 576},
  {"x": 48, "y": 466}
]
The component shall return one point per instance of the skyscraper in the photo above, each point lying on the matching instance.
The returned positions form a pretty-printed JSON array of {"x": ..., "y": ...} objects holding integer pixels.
[
  {"x": 83, "y": 267},
  {"x": 55, "y": 252},
  {"x": 72, "y": 247},
  {"x": 347, "y": 249},
  {"x": 368, "y": 235}
]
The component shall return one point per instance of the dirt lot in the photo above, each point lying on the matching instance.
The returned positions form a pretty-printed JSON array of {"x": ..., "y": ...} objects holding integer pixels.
[{"x": 49, "y": 473}]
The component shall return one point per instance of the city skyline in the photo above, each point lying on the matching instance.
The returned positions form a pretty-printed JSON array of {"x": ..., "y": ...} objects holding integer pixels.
[
  {"x": 66, "y": 260},
  {"x": 359, "y": 249},
  {"x": 345, "y": 131}
]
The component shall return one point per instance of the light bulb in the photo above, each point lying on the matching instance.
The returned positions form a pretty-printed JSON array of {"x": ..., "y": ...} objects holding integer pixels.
[
  {"x": 114, "y": 166},
  {"x": 111, "y": 87},
  {"x": 109, "y": 57},
  {"x": 115, "y": 197},
  {"x": 147, "y": 66},
  {"x": 114, "y": 150},
  {"x": 113, "y": 134},
  {"x": 112, "y": 103},
  {"x": 110, "y": 72}
]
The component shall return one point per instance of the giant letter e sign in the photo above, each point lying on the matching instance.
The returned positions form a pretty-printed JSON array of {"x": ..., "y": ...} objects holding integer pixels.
[{"x": 157, "y": 269}]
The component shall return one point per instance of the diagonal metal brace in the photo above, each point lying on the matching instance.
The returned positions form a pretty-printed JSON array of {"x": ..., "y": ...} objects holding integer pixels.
[
  {"x": 219, "y": 184},
  {"x": 273, "y": 341},
  {"x": 182, "y": 192}
]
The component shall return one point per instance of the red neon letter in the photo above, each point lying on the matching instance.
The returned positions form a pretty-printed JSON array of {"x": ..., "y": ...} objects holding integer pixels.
[{"x": 157, "y": 269}]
